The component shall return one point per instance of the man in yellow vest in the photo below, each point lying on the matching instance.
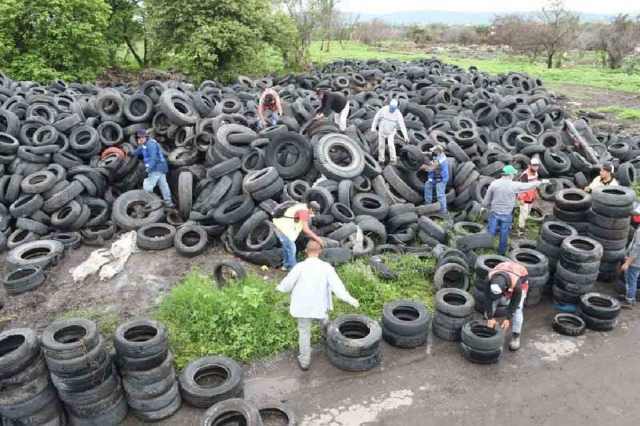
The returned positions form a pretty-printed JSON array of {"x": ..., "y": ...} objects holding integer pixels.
[
  {"x": 289, "y": 226},
  {"x": 508, "y": 285}
]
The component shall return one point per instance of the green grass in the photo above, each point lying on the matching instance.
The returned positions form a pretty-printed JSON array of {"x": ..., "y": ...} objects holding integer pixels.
[
  {"x": 248, "y": 319},
  {"x": 107, "y": 323},
  {"x": 620, "y": 112}
]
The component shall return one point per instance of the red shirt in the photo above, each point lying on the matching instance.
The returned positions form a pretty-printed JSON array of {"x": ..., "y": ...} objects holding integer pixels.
[{"x": 301, "y": 215}]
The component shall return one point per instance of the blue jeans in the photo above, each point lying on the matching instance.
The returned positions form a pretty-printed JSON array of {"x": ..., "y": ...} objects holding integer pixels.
[
  {"x": 288, "y": 250},
  {"x": 265, "y": 114},
  {"x": 504, "y": 221},
  {"x": 631, "y": 279},
  {"x": 440, "y": 193},
  {"x": 160, "y": 179}
]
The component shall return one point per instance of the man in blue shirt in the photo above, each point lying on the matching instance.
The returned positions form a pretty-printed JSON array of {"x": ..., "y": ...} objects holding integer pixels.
[
  {"x": 156, "y": 166},
  {"x": 438, "y": 176}
]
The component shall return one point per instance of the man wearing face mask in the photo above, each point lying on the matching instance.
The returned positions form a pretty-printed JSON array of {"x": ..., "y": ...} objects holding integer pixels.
[
  {"x": 508, "y": 285},
  {"x": 386, "y": 122}
]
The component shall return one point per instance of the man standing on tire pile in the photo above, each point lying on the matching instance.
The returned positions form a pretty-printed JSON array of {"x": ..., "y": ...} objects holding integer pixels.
[
  {"x": 526, "y": 199},
  {"x": 386, "y": 122},
  {"x": 288, "y": 227},
  {"x": 311, "y": 283},
  {"x": 501, "y": 198},
  {"x": 438, "y": 169},
  {"x": 269, "y": 108},
  {"x": 332, "y": 101},
  {"x": 508, "y": 286},
  {"x": 604, "y": 179},
  {"x": 156, "y": 166}
]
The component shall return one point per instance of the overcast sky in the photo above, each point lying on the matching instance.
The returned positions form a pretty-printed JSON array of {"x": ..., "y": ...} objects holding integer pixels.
[{"x": 606, "y": 7}]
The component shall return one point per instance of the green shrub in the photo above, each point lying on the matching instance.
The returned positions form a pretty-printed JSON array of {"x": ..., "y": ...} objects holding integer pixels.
[{"x": 248, "y": 319}]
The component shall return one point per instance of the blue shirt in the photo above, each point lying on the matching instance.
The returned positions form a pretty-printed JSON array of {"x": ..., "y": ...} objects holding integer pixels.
[
  {"x": 152, "y": 157},
  {"x": 444, "y": 169}
]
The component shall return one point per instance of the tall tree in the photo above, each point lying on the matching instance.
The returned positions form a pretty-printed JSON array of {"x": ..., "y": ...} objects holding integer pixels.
[
  {"x": 46, "y": 39},
  {"x": 558, "y": 30},
  {"x": 619, "y": 39},
  {"x": 305, "y": 15}
]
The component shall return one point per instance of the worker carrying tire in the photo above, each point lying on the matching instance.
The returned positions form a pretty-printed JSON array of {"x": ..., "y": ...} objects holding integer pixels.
[
  {"x": 290, "y": 224},
  {"x": 332, "y": 101},
  {"x": 386, "y": 122},
  {"x": 508, "y": 286},
  {"x": 155, "y": 165},
  {"x": 269, "y": 108}
]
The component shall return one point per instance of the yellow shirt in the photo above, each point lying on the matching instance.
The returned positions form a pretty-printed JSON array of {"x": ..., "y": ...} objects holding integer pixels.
[
  {"x": 287, "y": 225},
  {"x": 598, "y": 182}
]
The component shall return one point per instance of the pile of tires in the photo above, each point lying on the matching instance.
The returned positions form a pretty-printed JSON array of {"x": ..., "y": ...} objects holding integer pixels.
[
  {"x": 27, "y": 395},
  {"x": 550, "y": 239},
  {"x": 453, "y": 309},
  {"x": 484, "y": 265},
  {"x": 577, "y": 271},
  {"x": 452, "y": 271},
  {"x": 83, "y": 373},
  {"x": 29, "y": 265},
  {"x": 405, "y": 324},
  {"x": 537, "y": 266},
  {"x": 609, "y": 223},
  {"x": 146, "y": 368},
  {"x": 599, "y": 311},
  {"x": 209, "y": 380},
  {"x": 569, "y": 325},
  {"x": 481, "y": 344},
  {"x": 354, "y": 342},
  {"x": 470, "y": 242},
  {"x": 67, "y": 174},
  {"x": 572, "y": 206}
]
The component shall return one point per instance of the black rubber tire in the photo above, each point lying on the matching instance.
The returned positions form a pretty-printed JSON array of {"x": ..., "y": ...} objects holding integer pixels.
[
  {"x": 204, "y": 397},
  {"x": 259, "y": 179},
  {"x": 370, "y": 204},
  {"x": 606, "y": 222},
  {"x": 405, "y": 318},
  {"x": 163, "y": 413},
  {"x": 478, "y": 336},
  {"x": 446, "y": 333},
  {"x": 20, "y": 348},
  {"x": 486, "y": 263},
  {"x": 451, "y": 275},
  {"x": 362, "y": 336},
  {"x": 609, "y": 234},
  {"x": 185, "y": 194},
  {"x": 480, "y": 357},
  {"x": 454, "y": 302},
  {"x": 32, "y": 226},
  {"x": 611, "y": 211},
  {"x": 555, "y": 232},
  {"x": 23, "y": 279},
  {"x": 245, "y": 412},
  {"x": 597, "y": 324},
  {"x": 156, "y": 236},
  {"x": 43, "y": 253},
  {"x": 26, "y": 205},
  {"x": 150, "y": 202},
  {"x": 613, "y": 196},
  {"x": 536, "y": 263},
  {"x": 404, "y": 342},
  {"x": 354, "y": 364},
  {"x": 573, "y": 200},
  {"x": 69, "y": 339},
  {"x": 569, "y": 325},
  {"x": 398, "y": 183},
  {"x": 328, "y": 167},
  {"x": 235, "y": 266},
  {"x": 190, "y": 240},
  {"x": 470, "y": 242},
  {"x": 141, "y": 338},
  {"x": 600, "y": 306},
  {"x": 294, "y": 145},
  {"x": 233, "y": 210},
  {"x": 39, "y": 182},
  {"x": 81, "y": 365},
  {"x": 112, "y": 416},
  {"x": 432, "y": 228}
]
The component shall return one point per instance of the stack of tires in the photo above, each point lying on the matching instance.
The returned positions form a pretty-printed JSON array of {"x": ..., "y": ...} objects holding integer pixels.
[
  {"x": 609, "y": 221},
  {"x": 354, "y": 343},
  {"x": 537, "y": 265},
  {"x": 146, "y": 367},
  {"x": 572, "y": 206},
  {"x": 470, "y": 242},
  {"x": 27, "y": 396},
  {"x": 484, "y": 265},
  {"x": 29, "y": 264},
  {"x": 453, "y": 309},
  {"x": 481, "y": 344},
  {"x": 452, "y": 271},
  {"x": 84, "y": 374},
  {"x": 550, "y": 238},
  {"x": 405, "y": 324},
  {"x": 209, "y": 380},
  {"x": 577, "y": 271},
  {"x": 599, "y": 311},
  {"x": 239, "y": 411}
]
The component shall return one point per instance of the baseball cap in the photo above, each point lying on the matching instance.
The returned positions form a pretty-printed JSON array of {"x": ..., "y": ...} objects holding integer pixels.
[
  {"x": 393, "y": 103},
  {"x": 315, "y": 206},
  {"x": 498, "y": 285},
  {"x": 535, "y": 161},
  {"x": 509, "y": 170},
  {"x": 608, "y": 167},
  {"x": 141, "y": 133}
]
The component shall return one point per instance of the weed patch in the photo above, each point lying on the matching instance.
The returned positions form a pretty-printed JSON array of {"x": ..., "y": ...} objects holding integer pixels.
[{"x": 249, "y": 319}]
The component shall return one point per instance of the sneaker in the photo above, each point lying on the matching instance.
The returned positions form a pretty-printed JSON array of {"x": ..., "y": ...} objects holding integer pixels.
[
  {"x": 284, "y": 268},
  {"x": 514, "y": 345},
  {"x": 628, "y": 303},
  {"x": 302, "y": 366}
]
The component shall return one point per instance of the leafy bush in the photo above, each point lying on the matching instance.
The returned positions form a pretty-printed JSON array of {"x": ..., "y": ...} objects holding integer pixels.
[
  {"x": 46, "y": 39},
  {"x": 248, "y": 319}
]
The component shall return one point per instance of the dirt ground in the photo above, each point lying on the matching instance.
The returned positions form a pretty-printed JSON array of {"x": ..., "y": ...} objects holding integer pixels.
[{"x": 132, "y": 293}]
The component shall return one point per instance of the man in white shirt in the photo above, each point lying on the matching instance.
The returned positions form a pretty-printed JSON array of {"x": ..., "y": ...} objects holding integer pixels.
[
  {"x": 387, "y": 121},
  {"x": 604, "y": 179},
  {"x": 311, "y": 284}
]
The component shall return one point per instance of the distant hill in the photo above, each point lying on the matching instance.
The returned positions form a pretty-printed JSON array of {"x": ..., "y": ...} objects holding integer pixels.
[{"x": 451, "y": 18}]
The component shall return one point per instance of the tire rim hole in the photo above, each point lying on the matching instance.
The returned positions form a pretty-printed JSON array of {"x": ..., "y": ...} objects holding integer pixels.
[
  {"x": 36, "y": 253},
  {"x": 141, "y": 333},
  {"x": 212, "y": 376},
  {"x": 483, "y": 331},
  {"x": 70, "y": 334},
  {"x": 406, "y": 313},
  {"x": 560, "y": 230},
  {"x": 600, "y": 302},
  {"x": 455, "y": 299},
  {"x": 11, "y": 343},
  {"x": 274, "y": 417},
  {"x": 354, "y": 330}
]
